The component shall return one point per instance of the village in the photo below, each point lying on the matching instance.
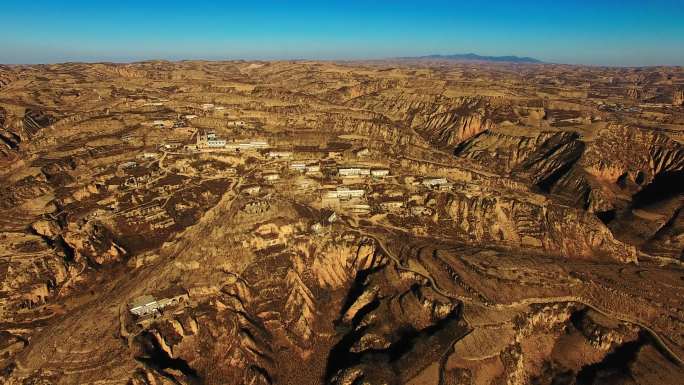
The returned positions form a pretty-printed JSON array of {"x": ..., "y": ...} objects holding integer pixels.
[
  {"x": 354, "y": 180},
  {"x": 336, "y": 180}
]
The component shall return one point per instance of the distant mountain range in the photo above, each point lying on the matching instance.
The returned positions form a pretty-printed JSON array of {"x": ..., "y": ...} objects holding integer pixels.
[{"x": 475, "y": 57}]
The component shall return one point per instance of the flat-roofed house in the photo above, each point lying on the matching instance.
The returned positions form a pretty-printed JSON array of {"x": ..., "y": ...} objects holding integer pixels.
[
  {"x": 379, "y": 173},
  {"x": 313, "y": 168},
  {"x": 360, "y": 209},
  {"x": 210, "y": 140},
  {"x": 421, "y": 210},
  {"x": 251, "y": 190},
  {"x": 216, "y": 143},
  {"x": 236, "y": 123},
  {"x": 128, "y": 164},
  {"x": 144, "y": 305},
  {"x": 148, "y": 155},
  {"x": 301, "y": 167},
  {"x": 437, "y": 183},
  {"x": 392, "y": 205},
  {"x": 345, "y": 193},
  {"x": 258, "y": 144},
  {"x": 317, "y": 228},
  {"x": 352, "y": 171},
  {"x": 271, "y": 177},
  {"x": 280, "y": 154},
  {"x": 363, "y": 152},
  {"x": 147, "y": 305}
]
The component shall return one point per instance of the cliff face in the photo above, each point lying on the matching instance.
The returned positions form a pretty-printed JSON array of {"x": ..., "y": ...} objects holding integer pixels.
[
  {"x": 678, "y": 98},
  {"x": 348, "y": 93},
  {"x": 451, "y": 128},
  {"x": 23, "y": 191},
  {"x": 6, "y": 76},
  {"x": 547, "y": 227},
  {"x": 9, "y": 137},
  {"x": 93, "y": 244},
  {"x": 444, "y": 122},
  {"x": 632, "y": 155},
  {"x": 35, "y": 120},
  {"x": 621, "y": 162},
  {"x": 617, "y": 171},
  {"x": 540, "y": 156},
  {"x": 547, "y": 158},
  {"x": 259, "y": 326}
]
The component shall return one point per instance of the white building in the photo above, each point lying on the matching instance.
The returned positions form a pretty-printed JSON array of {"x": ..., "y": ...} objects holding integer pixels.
[
  {"x": 313, "y": 168},
  {"x": 252, "y": 190},
  {"x": 317, "y": 228},
  {"x": 360, "y": 209},
  {"x": 128, "y": 164},
  {"x": 236, "y": 123},
  {"x": 438, "y": 183},
  {"x": 379, "y": 173},
  {"x": 344, "y": 193},
  {"x": 353, "y": 171},
  {"x": 421, "y": 210},
  {"x": 216, "y": 143},
  {"x": 259, "y": 144},
  {"x": 251, "y": 145},
  {"x": 279, "y": 154},
  {"x": 363, "y": 152},
  {"x": 210, "y": 140},
  {"x": 207, "y": 107},
  {"x": 392, "y": 205},
  {"x": 271, "y": 177},
  {"x": 146, "y": 305},
  {"x": 148, "y": 155},
  {"x": 171, "y": 145},
  {"x": 301, "y": 167}
]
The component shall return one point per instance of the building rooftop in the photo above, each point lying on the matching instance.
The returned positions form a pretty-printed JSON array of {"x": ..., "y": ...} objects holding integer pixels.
[{"x": 142, "y": 301}]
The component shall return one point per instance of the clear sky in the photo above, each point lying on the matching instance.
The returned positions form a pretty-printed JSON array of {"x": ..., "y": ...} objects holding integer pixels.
[{"x": 604, "y": 32}]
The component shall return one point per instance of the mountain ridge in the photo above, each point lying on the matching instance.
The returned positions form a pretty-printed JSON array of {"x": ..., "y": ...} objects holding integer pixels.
[{"x": 475, "y": 57}]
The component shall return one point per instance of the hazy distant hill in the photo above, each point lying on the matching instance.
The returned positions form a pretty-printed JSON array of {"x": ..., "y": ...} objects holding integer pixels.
[{"x": 475, "y": 57}]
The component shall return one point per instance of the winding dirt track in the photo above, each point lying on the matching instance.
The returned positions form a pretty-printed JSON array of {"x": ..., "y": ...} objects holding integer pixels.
[{"x": 659, "y": 342}]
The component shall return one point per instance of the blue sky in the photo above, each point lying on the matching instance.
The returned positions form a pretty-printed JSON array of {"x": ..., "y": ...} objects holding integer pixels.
[{"x": 608, "y": 32}]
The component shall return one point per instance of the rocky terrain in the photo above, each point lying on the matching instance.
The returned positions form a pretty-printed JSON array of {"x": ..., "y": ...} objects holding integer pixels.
[{"x": 407, "y": 222}]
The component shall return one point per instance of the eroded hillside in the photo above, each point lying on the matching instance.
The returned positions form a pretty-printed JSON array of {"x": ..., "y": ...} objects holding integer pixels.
[{"x": 356, "y": 223}]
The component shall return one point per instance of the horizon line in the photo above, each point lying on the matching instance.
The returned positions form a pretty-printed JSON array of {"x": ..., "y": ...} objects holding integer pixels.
[{"x": 424, "y": 58}]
